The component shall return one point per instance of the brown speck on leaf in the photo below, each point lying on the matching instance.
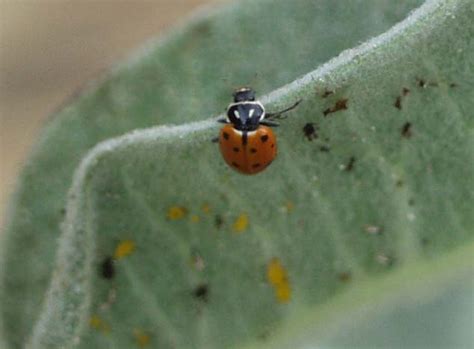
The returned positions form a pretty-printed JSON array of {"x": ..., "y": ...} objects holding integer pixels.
[
  {"x": 201, "y": 292},
  {"x": 421, "y": 83},
  {"x": 340, "y": 105},
  {"x": 453, "y": 84},
  {"x": 310, "y": 131},
  {"x": 399, "y": 183},
  {"x": 218, "y": 221},
  {"x": 398, "y": 100},
  {"x": 350, "y": 165},
  {"x": 344, "y": 276},
  {"x": 398, "y": 103},
  {"x": 324, "y": 148},
  {"x": 406, "y": 130},
  {"x": 327, "y": 93},
  {"x": 411, "y": 202}
]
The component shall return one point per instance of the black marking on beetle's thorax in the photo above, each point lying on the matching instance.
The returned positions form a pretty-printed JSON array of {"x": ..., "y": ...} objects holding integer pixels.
[{"x": 244, "y": 137}]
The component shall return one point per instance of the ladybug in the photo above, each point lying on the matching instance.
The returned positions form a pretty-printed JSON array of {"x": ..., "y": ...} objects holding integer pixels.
[{"x": 246, "y": 141}]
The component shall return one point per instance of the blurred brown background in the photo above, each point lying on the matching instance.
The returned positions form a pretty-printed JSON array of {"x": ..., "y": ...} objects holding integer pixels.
[{"x": 49, "y": 48}]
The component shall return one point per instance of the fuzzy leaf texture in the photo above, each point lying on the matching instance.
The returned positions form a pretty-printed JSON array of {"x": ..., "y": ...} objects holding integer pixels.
[{"x": 359, "y": 234}]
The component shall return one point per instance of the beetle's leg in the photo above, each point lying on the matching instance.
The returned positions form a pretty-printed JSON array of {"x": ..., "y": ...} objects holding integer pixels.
[
  {"x": 223, "y": 120},
  {"x": 215, "y": 140},
  {"x": 279, "y": 114},
  {"x": 270, "y": 123}
]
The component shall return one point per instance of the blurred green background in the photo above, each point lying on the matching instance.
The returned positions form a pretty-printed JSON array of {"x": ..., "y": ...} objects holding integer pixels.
[{"x": 49, "y": 49}]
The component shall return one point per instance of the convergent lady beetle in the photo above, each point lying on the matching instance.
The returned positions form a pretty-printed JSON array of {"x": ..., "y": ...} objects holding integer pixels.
[{"x": 247, "y": 143}]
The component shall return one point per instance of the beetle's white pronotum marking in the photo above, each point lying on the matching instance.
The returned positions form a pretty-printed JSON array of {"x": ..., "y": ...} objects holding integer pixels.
[
  {"x": 236, "y": 113},
  {"x": 251, "y": 111}
]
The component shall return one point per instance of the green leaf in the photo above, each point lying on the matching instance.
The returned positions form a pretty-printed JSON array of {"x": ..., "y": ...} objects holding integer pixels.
[{"x": 376, "y": 203}]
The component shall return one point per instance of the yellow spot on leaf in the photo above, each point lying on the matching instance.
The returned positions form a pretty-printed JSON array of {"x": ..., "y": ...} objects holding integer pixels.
[
  {"x": 142, "y": 338},
  {"x": 289, "y": 206},
  {"x": 176, "y": 212},
  {"x": 206, "y": 208},
  {"x": 283, "y": 292},
  {"x": 124, "y": 248},
  {"x": 195, "y": 218},
  {"x": 241, "y": 223},
  {"x": 97, "y": 323},
  {"x": 278, "y": 278}
]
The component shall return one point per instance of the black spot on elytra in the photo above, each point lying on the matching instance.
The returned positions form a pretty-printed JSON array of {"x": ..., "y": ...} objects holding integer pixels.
[
  {"x": 253, "y": 150},
  {"x": 107, "y": 268},
  {"x": 406, "y": 130},
  {"x": 256, "y": 165},
  {"x": 235, "y": 149},
  {"x": 264, "y": 138},
  {"x": 309, "y": 131},
  {"x": 235, "y": 164},
  {"x": 201, "y": 292},
  {"x": 350, "y": 164},
  {"x": 226, "y": 135}
]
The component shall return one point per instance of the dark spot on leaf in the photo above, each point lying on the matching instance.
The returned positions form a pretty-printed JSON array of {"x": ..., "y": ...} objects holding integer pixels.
[
  {"x": 399, "y": 183},
  {"x": 226, "y": 135},
  {"x": 406, "y": 130},
  {"x": 350, "y": 165},
  {"x": 235, "y": 164},
  {"x": 398, "y": 100},
  {"x": 411, "y": 202},
  {"x": 218, "y": 221},
  {"x": 340, "y": 105},
  {"x": 264, "y": 138},
  {"x": 425, "y": 242},
  {"x": 327, "y": 93},
  {"x": 253, "y": 150},
  {"x": 324, "y": 148},
  {"x": 256, "y": 165},
  {"x": 421, "y": 83},
  {"x": 398, "y": 103},
  {"x": 309, "y": 131},
  {"x": 235, "y": 149},
  {"x": 344, "y": 276},
  {"x": 107, "y": 268},
  {"x": 201, "y": 292},
  {"x": 453, "y": 84}
]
